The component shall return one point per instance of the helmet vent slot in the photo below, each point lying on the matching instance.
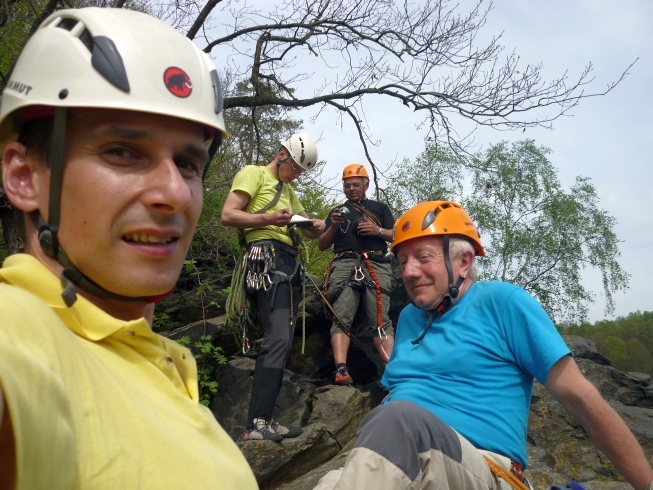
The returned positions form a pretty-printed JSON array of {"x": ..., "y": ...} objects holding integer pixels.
[
  {"x": 68, "y": 24},
  {"x": 86, "y": 39}
]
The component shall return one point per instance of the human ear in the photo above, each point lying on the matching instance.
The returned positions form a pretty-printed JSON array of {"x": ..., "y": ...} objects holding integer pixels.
[
  {"x": 466, "y": 261},
  {"x": 22, "y": 177}
]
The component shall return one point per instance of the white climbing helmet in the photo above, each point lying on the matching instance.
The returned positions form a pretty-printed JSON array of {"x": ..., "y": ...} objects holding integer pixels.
[
  {"x": 114, "y": 59},
  {"x": 302, "y": 149}
]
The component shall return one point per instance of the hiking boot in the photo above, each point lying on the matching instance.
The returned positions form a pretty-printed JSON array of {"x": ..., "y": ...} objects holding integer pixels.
[
  {"x": 342, "y": 376},
  {"x": 262, "y": 431},
  {"x": 286, "y": 432}
]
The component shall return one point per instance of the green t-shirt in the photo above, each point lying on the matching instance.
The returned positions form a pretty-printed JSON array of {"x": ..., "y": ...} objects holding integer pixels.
[{"x": 261, "y": 186}]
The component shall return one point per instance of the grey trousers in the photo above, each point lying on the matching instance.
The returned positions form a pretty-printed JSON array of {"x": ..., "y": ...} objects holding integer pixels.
[
  {"x": 349, "y": 297},
  {"x": 403, "y": 446}
]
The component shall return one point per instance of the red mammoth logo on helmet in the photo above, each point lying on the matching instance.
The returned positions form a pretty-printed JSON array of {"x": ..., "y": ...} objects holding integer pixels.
[{"x": 177, "y": 82}]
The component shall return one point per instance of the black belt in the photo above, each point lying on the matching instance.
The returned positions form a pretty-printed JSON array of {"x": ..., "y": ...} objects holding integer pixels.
[
  {"x": 355, "y": 255},
  {"x": 279, "y": 245}
]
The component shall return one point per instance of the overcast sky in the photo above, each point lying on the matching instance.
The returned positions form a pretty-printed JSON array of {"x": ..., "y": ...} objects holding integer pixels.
[{"x": 608, "y": 139}]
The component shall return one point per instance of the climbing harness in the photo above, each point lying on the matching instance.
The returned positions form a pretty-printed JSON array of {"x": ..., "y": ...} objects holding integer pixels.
[
  {"x": 261, "y": 275},
  {"x": 357, "y": 279},
  {"x": 363, "y": 347}
]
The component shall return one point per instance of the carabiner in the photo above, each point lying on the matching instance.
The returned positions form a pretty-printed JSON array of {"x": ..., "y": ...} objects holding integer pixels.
[
  {"x": 266, "y": 282},
  {"x": 382, "y": 335},
  {"x": 359, "y": 275},
  {"x": 246, "y": 345}
]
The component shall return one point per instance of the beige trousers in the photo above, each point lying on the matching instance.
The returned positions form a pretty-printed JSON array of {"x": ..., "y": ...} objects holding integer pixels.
[{"x": 402, "y": 446}]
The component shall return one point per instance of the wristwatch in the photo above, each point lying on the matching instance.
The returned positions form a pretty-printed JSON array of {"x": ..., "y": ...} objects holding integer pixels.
[
  {"x": 381, "y": 233},
  {"x": 650, "y": 487}
]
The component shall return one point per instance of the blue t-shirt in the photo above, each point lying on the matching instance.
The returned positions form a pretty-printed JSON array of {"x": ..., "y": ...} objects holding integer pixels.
[{"x": 474, "y": 369}]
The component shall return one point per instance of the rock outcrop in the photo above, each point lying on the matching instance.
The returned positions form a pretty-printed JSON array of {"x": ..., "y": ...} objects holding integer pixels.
[{"x": 558, "y": 448}]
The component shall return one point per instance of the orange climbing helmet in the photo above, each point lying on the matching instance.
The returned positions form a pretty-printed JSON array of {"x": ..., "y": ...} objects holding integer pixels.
[
  {"x": 433, "y": 218},
  {"x": 354, "y": 170}
]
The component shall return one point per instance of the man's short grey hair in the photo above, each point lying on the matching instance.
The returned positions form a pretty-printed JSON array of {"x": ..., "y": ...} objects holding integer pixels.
[{"x": 457, "y": 247}]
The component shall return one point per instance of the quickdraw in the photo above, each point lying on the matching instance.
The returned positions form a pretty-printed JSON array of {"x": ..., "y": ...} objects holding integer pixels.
[{"x": 260, "y": 262}]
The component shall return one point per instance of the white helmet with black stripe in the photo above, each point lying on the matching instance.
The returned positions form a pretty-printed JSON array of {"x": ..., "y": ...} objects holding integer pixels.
[
  {"x": 101, "y": 58},
  {"x": 113, "y": 59},
  {"x": 302, "y": 149}
]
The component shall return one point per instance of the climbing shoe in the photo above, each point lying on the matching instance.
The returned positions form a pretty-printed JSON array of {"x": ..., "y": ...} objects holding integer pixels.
[
  {"x": 342, "y": 376},
  {"x": 286, "y": 432},
  {"x": 262, "y": 431}
]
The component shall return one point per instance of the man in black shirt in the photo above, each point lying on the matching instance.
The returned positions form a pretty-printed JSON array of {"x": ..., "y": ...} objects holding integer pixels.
[{"x": 359, "y": 231}]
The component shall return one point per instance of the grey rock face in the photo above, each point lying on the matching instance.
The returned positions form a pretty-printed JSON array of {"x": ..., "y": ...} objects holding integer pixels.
[{"x": 558, "y": 447}]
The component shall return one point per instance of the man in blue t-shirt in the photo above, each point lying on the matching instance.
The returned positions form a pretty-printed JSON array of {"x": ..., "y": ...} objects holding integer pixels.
[{"x": 461, "y": 374}]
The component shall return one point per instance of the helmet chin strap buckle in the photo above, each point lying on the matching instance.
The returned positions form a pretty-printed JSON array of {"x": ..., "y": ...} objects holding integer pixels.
[
  {"x": 69, "y": 293},
  {"x": 48, "y": 241}
]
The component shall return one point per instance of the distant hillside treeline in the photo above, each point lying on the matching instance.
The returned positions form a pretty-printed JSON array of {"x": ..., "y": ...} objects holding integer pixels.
[{"x": 626, "y": 341}]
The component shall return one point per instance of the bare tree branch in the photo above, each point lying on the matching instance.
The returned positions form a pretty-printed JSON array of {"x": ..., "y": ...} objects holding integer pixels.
[
  {"x": 201, "y": 18},
  {"x": 426, "y": 56}
]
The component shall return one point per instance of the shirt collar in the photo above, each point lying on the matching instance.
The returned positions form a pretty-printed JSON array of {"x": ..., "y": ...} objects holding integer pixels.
[{"x": 84, "y": 318}]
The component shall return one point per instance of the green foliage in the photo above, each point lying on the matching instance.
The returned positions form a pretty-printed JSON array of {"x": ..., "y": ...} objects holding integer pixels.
[
  {"x": 202, "y": 287},
  {"x": 318, "y": 204},
  {"x": 254, "y": 139},
  {"x": 15, "y": 31},
  {"x": 535, "y": 233},
  {"x": 626, "y": 341},
  {"x": 184, "y": 340},
  {"x": 162, "y": 321},
  {"x": 640, "y": 358},
  {"x": 615, "y": 349},
  {"x": 206, "y": 355},
  {"x": 436, "y": 174}
]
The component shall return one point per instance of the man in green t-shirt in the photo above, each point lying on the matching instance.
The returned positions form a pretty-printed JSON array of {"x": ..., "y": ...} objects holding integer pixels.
[{"x": 263, "y": 203}]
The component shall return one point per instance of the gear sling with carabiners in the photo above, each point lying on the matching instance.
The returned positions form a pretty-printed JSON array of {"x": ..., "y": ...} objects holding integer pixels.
[{"x": 237, "y": 304}]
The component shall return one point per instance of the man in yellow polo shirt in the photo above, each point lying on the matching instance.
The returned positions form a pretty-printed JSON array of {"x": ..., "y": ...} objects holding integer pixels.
[
  {"x": 262, "y": 203},
  {"x": 104, "y": 126}
]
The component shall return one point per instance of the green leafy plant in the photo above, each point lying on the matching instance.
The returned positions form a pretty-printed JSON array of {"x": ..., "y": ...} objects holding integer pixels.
[
  {"x": 163, "y": 321},
  {"x": 202, "y": 287},
  {"x": 207, "y": 356}
]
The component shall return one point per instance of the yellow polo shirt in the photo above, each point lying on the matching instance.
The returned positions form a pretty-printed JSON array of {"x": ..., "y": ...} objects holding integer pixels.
[{"x": 99, "y": 403}]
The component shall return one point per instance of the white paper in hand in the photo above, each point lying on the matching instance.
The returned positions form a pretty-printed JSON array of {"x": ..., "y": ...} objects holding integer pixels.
[{"x": 300, "y": 221}]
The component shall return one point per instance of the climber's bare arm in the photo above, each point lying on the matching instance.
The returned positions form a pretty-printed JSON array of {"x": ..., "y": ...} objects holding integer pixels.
[{"x": 603, "y": 425}]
